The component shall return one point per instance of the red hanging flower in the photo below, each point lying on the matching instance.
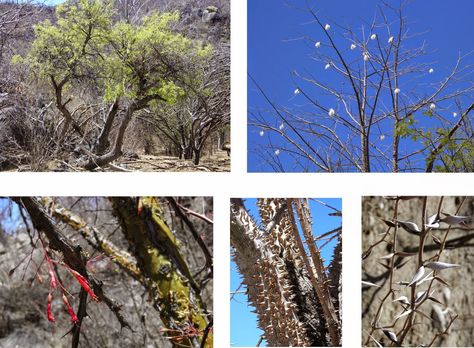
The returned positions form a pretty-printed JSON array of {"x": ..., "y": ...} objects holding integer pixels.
[
  {"x": 85, "y": 284},
  {"x": 70, "y": 310},
  {"x": 52, "y": 278},
  {"x": 49, "y": 312}
]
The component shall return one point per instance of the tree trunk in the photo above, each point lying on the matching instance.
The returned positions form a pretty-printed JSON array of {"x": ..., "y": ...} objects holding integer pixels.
[
  {"x": 103, "y": 140},
  {"x": 188, "y": 151},
  {"x": 197, "y": 155},
  {"x": 396, "y": 144},
  {"x": 68, "y": 120},
  {"x": 365, "y": 151},
  {"x": 116, "y": 152},
  {"x": 221, "y": 138}
]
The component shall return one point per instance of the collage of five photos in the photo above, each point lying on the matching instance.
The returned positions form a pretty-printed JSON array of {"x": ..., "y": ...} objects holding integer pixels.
[{"x": 126, "y": 220}]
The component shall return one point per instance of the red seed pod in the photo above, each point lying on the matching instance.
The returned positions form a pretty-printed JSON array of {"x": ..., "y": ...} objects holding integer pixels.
[
  {"x": 85, "y": 284},
  {"x": 49, "y": 312},
  {"x": 70, "y": 310}
]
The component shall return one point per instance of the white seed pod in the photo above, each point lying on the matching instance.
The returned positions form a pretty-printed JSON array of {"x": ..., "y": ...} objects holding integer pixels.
[
  {"x": 366, "y": 284},
  {"x": 382, "y": 137},
  {"x": 391, "y": 335},
  {"x": 366, "y": 57},
  {"x": 396, "y": 90},
  {"x": 402, "y": 299},
  {"x": 454, "y": 219},
  {"x": 262, "y": 133},
  {"x": 327, "y": 27},
  {"x": 390, "y": 39},
  {"x": 418, "y": 275},
  {"x": 277, "y": 152},
  {"x": 373, "y": 36},
  {"x": 432, "y": 106},
  {"x": 353, "y": 47},
  {"x": 409, "y": 226},
  {"x": 427, "y": 278},
  {"x": 438, "y": 266},
  {"x": 282, "y": 126},
  {"x": 404, "y": 313},
  {"x": 455, "y": 114},
  {"x": 297, "y": 91},
  {"x": 432, "y": 219},
  {"x": 431, "y": 70},
  {"x": 317, "y": 44},
  {"x": 419, "y": 296},
  {"x": 327, "y": 66},
  {"x": 331, "y": 112}
]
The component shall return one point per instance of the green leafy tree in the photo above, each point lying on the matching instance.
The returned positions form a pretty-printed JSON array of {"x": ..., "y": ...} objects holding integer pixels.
[{"x": 133, "y": 66}]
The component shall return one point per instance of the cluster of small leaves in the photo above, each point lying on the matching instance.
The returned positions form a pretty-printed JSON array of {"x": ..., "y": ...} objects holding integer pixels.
[{"x": 407, "y": 128}]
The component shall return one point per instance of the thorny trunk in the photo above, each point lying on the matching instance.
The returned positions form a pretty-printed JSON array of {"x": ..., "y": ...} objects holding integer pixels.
[
  {"x": 319, "y": 279},
  {"x": 277, "y": 278}
]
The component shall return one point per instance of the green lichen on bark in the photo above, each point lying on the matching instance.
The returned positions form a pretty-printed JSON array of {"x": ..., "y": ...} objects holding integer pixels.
[{"x": 159, "y": 258}]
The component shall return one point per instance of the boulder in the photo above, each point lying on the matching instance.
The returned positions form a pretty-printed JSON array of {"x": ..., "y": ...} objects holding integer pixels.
[{"x": 210, "y": 14}]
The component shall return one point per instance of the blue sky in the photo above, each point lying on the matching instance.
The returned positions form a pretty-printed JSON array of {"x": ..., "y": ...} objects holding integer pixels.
[
  {"x": 274, "y": 51},
  {"x": 9, "y": 215},
  {"x": 244, "y": 332}
]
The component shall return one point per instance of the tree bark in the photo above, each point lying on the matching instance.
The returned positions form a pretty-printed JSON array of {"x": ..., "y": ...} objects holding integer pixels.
[
  {"x": 197, "y": 155},
  {"x": 68, "y": 120},
  {"x": 175, "y": 293},
  {"x": 103, "y": 140}
]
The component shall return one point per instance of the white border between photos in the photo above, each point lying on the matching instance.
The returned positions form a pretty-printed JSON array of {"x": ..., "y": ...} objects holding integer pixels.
[{"x": 223, "y": 186}]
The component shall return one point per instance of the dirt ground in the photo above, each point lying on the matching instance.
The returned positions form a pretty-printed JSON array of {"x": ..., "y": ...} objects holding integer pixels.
[{"x": 218, "y": 162}]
